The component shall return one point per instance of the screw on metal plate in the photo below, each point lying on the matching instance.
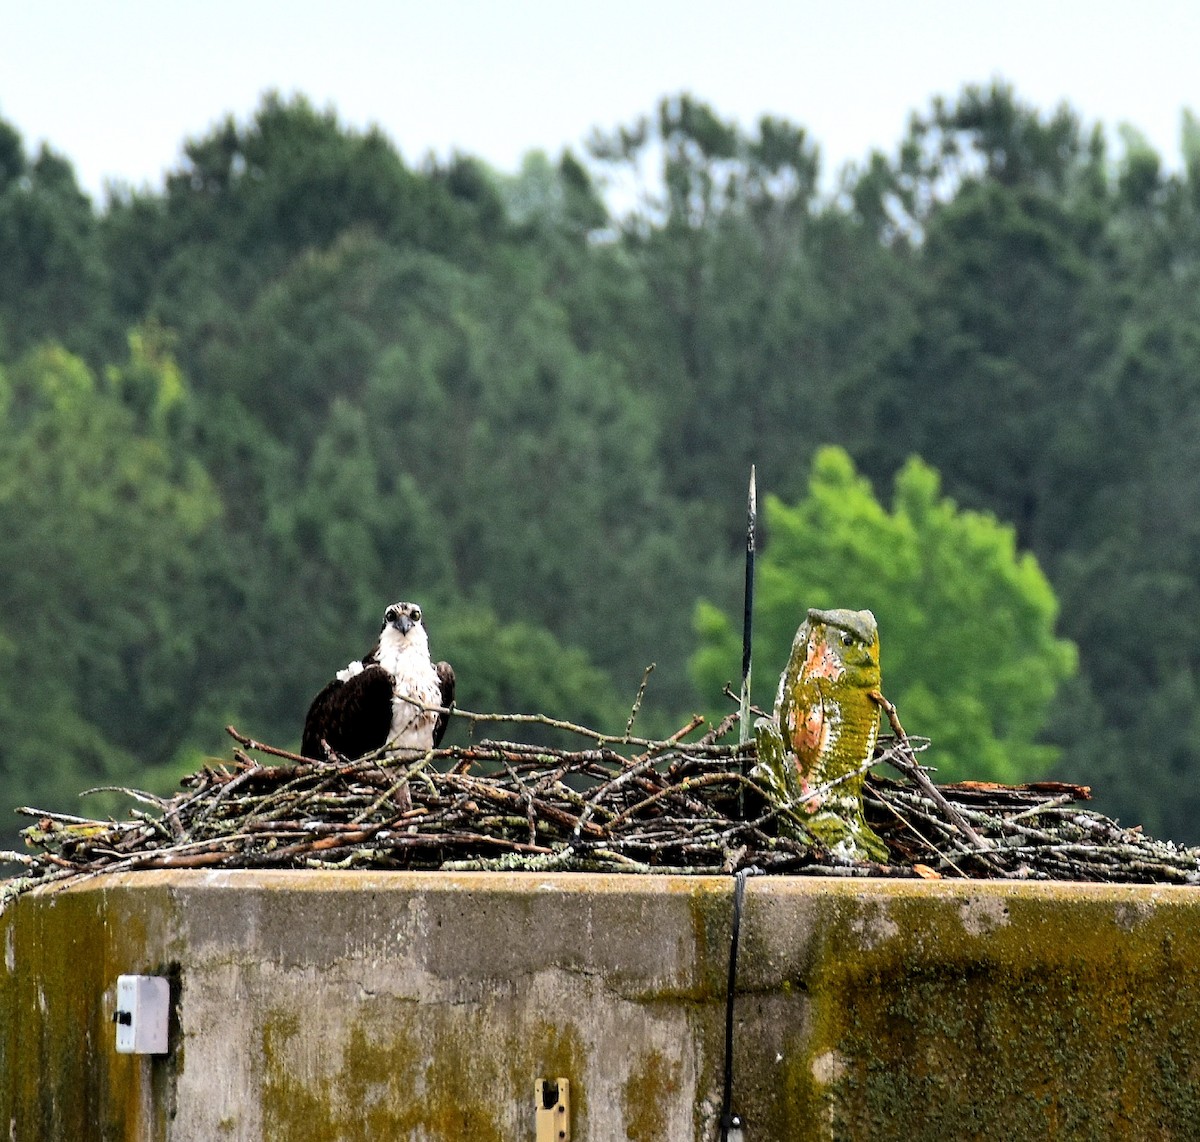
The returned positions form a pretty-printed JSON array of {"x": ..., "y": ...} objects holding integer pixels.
[{"x": 553, "y": 1115}]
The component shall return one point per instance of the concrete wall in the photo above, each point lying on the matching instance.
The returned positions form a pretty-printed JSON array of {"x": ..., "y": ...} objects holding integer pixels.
[{"x": 424, "y": 1006}]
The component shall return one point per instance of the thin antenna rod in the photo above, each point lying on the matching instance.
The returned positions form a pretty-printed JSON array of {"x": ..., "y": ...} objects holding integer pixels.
[{"x": 748, "y": 614}]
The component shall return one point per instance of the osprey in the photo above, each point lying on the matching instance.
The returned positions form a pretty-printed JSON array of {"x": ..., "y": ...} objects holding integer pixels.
[{"x": 379, "y": 701}]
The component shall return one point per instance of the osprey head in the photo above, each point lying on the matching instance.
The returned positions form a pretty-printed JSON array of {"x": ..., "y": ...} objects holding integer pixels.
[{"x": 401, "y": 617}]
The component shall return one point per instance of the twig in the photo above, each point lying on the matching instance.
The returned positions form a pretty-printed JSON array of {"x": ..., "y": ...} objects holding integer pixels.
[
  {"x": 259, "y": 747},
  {"x": 909, "y": 766},
  {"x": 637, "y": 701},
  {"x": 541, "y": 720},
  {"x": 727, "y": 691},
  {"x": 671, "y": 807}
]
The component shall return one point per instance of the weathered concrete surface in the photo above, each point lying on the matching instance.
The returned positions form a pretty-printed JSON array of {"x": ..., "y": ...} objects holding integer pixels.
[{"x": 424, "y": 1006}]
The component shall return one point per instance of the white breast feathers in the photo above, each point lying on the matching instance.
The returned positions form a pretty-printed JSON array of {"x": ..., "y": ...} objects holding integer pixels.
[{"x": 406, "y": 658}]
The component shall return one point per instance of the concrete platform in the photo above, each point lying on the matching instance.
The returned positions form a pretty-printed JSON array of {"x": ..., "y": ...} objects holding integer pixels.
[{"x": 310, "y": 1005}]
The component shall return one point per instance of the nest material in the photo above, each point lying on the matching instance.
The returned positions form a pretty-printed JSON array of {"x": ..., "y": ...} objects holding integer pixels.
[{"x": 675, "y": 806}]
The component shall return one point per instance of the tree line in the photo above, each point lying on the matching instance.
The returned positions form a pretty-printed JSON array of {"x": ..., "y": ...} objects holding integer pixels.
[{"x": 244, "y": 411}]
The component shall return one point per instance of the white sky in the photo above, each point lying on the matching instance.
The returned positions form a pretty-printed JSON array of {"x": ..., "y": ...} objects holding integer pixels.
[{"x": 118, "y": 87}]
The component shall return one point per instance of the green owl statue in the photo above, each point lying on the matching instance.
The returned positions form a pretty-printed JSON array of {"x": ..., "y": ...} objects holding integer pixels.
[{"x": 812, "y": 754}]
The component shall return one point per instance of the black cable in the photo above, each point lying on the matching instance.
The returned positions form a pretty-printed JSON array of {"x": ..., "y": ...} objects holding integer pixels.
[{"x": 729, "y": 1120}]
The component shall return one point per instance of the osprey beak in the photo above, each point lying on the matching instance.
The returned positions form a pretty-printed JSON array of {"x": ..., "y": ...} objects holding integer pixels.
[{"x": 404, "y": 623}]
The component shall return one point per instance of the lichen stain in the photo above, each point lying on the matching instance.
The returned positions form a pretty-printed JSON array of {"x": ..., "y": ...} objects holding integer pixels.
[
  {"x": 983, "y": 914},
  {"x": 872, "y": 925},
  {"x": 828, "y": 1067},
  {"x": 1129, "y": 916},
  {"x": 712, "y": 919},
  {"x": 444, "y": 1073},
  {"x": 647, "y": 1095},
  {"x": 1080, "y": 1025},
  {"x": 314, "y": 1092},
  {"x": 551, "y": 1051},
  {"x": 68, "y": 1082}
]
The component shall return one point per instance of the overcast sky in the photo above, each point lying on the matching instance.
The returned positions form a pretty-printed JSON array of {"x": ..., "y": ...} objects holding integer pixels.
[{"x": 119, "y": 87}]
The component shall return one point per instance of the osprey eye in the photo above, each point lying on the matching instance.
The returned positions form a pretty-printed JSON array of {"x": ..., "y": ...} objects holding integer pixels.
[{"x": 416, "y": 614}]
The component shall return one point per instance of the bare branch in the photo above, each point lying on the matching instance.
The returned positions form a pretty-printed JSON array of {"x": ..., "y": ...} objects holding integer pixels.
[{"x": 675, "y": 806}]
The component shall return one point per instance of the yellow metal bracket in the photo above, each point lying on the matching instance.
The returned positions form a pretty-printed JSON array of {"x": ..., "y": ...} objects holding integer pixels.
[{"x": 553, "y": 1116}]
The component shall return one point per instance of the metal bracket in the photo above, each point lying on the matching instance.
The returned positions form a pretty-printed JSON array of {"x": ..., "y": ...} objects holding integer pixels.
[
  {"x": 553, "y": 1115},
  {"x": 143, "y": 1014}
]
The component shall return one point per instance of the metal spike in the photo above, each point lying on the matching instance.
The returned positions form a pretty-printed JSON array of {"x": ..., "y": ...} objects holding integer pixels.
[{"x": 748, "y": 613}]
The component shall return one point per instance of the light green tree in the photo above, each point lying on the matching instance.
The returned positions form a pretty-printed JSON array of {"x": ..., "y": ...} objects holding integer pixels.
[{"x": 966, "y": 621}]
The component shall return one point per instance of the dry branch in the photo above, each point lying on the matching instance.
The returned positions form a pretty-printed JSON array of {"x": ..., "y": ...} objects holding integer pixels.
[{"x": 673, "y": 806}]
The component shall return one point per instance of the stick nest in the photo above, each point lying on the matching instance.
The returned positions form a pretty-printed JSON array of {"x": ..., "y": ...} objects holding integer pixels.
[{"x": 673, "y": 806}]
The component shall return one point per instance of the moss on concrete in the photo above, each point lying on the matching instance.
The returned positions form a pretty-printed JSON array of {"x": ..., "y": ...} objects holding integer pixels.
[
  {"x": 361, "y": 1006},
  {"x": 394, "y": 1072},
  {"x": 653, "y": 1085},
  {"x": 57, "y": 993},
  {"x": 1000, "y": 1014}
]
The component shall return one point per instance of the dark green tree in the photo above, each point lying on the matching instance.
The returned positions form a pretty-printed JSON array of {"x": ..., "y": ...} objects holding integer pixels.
[
  {"x": 764, "y": 304},
  {"x": 991, "y": 387},
  {"x": 53, "y": 280}
]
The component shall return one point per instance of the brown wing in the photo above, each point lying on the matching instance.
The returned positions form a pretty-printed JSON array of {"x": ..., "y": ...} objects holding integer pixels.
[
  {"x": 353, "y": 717},
  {"x": 445, "y": 673}
]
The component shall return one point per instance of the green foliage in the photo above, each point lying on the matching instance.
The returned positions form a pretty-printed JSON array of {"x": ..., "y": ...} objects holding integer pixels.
[
  {"x": 243, "y": 412},
  {"x": 52, "y": 277},
  {"x": 966, "y": 622},
  {"x": 765, "y": 307},
  {"x": 105, "y": 528},
  {"x": 516, "y": 667}
]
